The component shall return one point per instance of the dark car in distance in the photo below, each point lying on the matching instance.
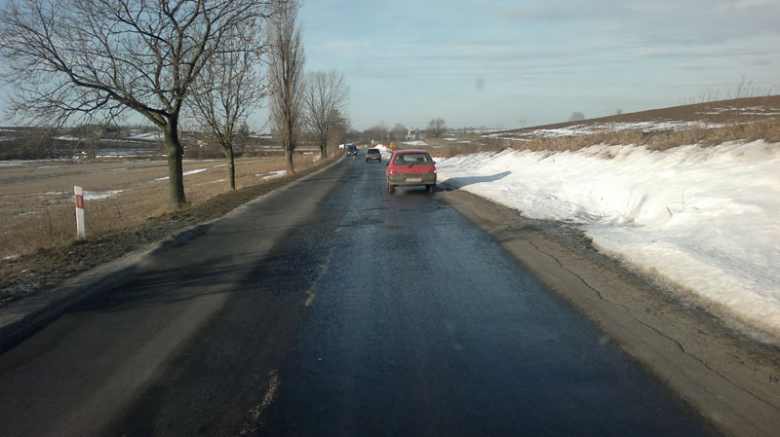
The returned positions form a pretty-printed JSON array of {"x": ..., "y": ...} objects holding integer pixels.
[
  {"x": 373, "y": 155},
  {"x": 352, "y": 150}
]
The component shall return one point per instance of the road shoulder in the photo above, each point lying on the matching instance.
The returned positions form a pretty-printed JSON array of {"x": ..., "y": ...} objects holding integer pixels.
[
  {"x": 731, "y": 379},
  {"x": 24, "y": 316}
]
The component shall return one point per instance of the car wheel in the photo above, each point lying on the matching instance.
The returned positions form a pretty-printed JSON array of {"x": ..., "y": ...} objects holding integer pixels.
[
  {"x": 390, "y": 188},
  {"x": 431, "y": 188}
]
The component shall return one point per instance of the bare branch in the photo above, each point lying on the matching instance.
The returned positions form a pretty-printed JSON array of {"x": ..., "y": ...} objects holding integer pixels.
[
  {"x": 228, "y": 89},
  {"x": 66, "y": 58},
  {"x": 325, "y": 99}
]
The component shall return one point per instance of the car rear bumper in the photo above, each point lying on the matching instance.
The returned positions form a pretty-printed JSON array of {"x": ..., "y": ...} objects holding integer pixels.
[{"x": 412, "y": 179}]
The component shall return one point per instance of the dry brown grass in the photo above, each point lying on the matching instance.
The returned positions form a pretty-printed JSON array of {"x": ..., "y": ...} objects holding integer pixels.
[
  {"x": 768, "y": 130},
  {"x": 466, "y": 149},
  {"x": 746, "y": 123},
  {"x": 37, "y": 212}
]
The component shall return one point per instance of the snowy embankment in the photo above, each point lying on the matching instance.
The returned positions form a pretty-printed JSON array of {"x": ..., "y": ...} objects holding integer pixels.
[
  {"x": 385, "y": 151},
  {"x": 706, "y": 219}
]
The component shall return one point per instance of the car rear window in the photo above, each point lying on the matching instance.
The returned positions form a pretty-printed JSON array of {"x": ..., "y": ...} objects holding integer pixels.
[
  {"x": 412, "y": 159},
  {"x": 373, "y": 151}
]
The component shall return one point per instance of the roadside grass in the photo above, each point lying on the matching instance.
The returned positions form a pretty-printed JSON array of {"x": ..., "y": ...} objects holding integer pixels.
[
  {"x": 746, "y": 129},
  {"x": 36, "y": 201},
  {"x": 129, "y": 221},
  {"x": 468, "y": 149},
  {"x": 768, "y": 130}
]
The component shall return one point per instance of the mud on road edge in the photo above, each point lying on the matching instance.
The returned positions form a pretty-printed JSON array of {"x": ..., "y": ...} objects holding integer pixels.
[
  {"x": 731, "y": 379},
  {"x": 61, "y": 278}
]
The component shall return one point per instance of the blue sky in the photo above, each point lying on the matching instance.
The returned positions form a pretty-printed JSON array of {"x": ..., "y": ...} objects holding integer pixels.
[{"x": 502, "y": 63}]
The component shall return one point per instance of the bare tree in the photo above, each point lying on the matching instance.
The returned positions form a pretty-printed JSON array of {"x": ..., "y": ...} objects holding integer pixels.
[
  {"x": 340, "y": 130},
  {"x": 436, "y": 127},
  {"x": 285, "y": 77},
  {"x": 227, "y": 90},
  {"x": 242, "y": 138},
  {"x": 399, "y": 132},
  {"x": 89, "y": 136},
  {"x": 324, "y": 99},
  {"x": 39, "y": 142},
  {"x": 70, "y": 58},
  {"x": 577, "y": 116},
  {"x": 378, "y": 132}
]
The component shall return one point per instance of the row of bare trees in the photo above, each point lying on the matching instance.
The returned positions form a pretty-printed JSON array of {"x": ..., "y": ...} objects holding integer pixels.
[
  {"x": 436, "y": 128},
  {"x": 167, "y": 60}
]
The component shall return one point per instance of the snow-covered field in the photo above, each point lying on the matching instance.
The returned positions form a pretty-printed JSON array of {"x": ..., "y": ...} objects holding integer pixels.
[
  {"x": 703, "y": 218},
  {"x": 752, "y": 110},
  {"x": 593, "y": 128}
]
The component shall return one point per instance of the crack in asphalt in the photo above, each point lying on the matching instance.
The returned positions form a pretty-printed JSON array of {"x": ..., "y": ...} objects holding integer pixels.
[
  {"x": 311, "y": 293},
  {"x": 675, "y": 341}
]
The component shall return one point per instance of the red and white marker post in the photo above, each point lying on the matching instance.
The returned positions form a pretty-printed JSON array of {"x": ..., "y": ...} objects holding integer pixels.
[{"x": 81, "y": 228}]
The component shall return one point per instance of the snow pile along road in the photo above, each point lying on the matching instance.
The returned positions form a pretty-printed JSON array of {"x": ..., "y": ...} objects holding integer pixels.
[
  {"x": 704, "y": 218},
  {"x": 385, "y": 151}
]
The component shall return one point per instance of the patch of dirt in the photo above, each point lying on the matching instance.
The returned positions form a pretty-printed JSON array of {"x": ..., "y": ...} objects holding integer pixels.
[{"x": 46, "y": 269}]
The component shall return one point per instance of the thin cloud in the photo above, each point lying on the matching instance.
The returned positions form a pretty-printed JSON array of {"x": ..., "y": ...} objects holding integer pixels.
[{"x": 583, "y": 54}]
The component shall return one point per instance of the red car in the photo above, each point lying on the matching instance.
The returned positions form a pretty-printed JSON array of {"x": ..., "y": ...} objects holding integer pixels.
[{"x": 411, "y": 167}]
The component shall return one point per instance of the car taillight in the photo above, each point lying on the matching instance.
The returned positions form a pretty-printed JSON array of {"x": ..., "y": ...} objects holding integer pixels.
[
  {"x": 393, "y": 171},
  {"x": 433, "y": 171}
]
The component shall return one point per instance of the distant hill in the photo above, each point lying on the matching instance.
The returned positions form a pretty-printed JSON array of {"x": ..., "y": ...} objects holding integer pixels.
[{"x": 717, "y": 112}]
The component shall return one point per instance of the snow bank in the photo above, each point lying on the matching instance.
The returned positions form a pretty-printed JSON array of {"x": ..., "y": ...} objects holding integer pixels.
[
  {"x": 386, "y": 152},
  {"x": 704, "y": 218},
  {"x": 418, "y": 143}
]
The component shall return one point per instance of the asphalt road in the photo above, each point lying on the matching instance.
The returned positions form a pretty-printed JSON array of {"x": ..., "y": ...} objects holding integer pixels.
[{"x": 331, "y": 308}]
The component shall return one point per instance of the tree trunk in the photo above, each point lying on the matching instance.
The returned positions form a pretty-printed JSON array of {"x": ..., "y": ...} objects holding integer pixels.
[
  {"x": 231, "y": 167},
  {"x": 288, "y": 157},
  {"x": 175, "y": 172},
  {"x": 324, "y": 150}
]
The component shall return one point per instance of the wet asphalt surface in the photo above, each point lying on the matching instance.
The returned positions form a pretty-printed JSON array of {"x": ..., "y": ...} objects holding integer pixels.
[{"x": 375, "y": 315}]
